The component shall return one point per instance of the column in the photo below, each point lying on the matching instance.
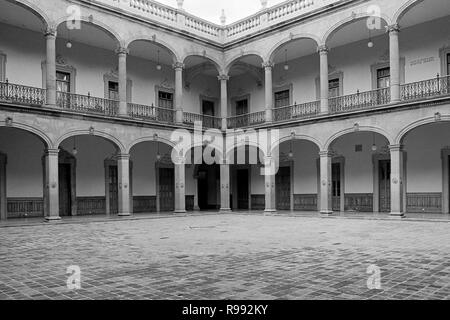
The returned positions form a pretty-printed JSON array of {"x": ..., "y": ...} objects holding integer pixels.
[
  {"x": 269, "y": 181},
  {"x": 3, "y": 195},
  {"x": 326, "y": 200},
  {"x": 397, "y": 181},
  {"x": 123, "y": 171},
  {"x": 324, "y": 87},
  {"x": 50, "y": 37},
  {"x": 394, "y": 53},
  {"x": 51, "y": 185},
  {"x": 178, "y": 67},
  {"x": 224, "y": 99},
  {"x": 180, "y": 191},
  {"x": 122, "y": 55},
  {"x": 225, "y": 187},
  {"x": 268, "y": 66}
]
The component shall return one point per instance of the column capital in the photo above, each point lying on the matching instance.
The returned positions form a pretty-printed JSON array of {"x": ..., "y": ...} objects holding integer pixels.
[
  {"x": 326, "y": 154},
  {"x": 178, "y": 66},
  {"x": 268, "y": 64},
  {"x": 323, "y": 49},
  {"x": 223, "y": 77},
  {"x": 393, "y": 28},
  {"x": 123, "y": 156},
  {"x": 122, "y": 51},
  {"x": 51, "y": 152},
  {"x": 50, "y": 32},
  {"x": 396, "y": 147}
]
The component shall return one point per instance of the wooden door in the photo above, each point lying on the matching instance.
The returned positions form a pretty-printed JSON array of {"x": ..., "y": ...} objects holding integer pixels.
[
  {"x": 242, "y": 189},
  {"x": 166, "y": 189},
  {"x": 65, "y": 196},
  {"x": 283, "y": 188},
  {"x": 113, "y": 190},
  {"x": 242, "y": 109},
  {"x": 336, "y": 186},
  {"x": 385, "y": 185},
  {"x": 208, "y": 111}
]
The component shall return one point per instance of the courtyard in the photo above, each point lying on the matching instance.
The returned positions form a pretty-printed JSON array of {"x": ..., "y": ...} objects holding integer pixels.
[{"x": 232, "y": 256}]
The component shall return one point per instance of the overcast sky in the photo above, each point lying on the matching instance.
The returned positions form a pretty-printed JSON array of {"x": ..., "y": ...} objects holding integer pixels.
[{"x": 211, "y": 9}]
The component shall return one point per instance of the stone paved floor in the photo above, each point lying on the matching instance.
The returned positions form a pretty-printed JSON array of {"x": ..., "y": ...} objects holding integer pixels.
[{"x": 227, "y": 257}]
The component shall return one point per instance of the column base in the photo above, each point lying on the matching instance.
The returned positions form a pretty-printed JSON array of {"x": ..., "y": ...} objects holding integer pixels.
[
  {"x": 180, "y": 211},
  {"x": 226, "y": 210},
  {"x": 397, "y": 215},
  {"x": 269, "y": 212},
  {"x": 125, "y": 214},
  {"x": 326, "y": 213},
  {"x": 52, "y": 219},
  {"x": 48, "y": 105}
]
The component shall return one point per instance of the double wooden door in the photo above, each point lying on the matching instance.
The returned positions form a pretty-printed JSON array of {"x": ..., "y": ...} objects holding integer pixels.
[
  {"x": 384, "y": 179},
  {"x": 166, "y": 189},
  {"x": 283, "y": 188},
  {"x": 336, "y": 186},
  {"x": 65, "y": 191},
  {"x": 113, "y": 190},
  {"x": 242, "y": 189}
]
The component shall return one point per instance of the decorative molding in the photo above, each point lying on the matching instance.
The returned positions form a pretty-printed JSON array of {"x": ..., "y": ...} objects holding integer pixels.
[
  {"x": 393, "y": 28},
  {"x": 323, "y": 50},
  {"x": 268, "y": 65}
]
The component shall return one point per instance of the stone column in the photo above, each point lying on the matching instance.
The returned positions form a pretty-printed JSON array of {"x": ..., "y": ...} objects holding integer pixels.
[
  {"x": 123, "y": 172},
  {"x": 180, "y": 186},
  {"x": 122, "y": 54},
  {"x": 324, "y": 86},
  {"x": 51, "y": 185},
  {"x": 225, "y": 187},
  {"x": 326, "y": 200},
  {"x": 50, "y": 37},
  {"x": 268, "y": 66},
  {"x": 269, "y": 181},
  {"x": 178, "y": 67},
  {"x": 397, "y": 181},
  {"x": 394, "y": 52},
  {"x": 3, "y": 195},
  {"x": 224, "y": 99}
]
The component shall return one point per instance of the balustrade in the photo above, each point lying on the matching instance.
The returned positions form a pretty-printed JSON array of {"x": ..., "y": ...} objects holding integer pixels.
[
  {"x": 15, "y": 93},
  {"x": 86, "y": 104}
]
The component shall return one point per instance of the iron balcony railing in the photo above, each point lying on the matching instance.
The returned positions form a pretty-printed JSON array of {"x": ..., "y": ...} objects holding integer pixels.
[
  {"x": 86, "y": 104},
  {"x": 297, "y": 111},
  {"x": 245, "y": 120},
  {"x": 360, "y": 100},
  {"x": 209, "y": 122},
  {"x": 437, "y": 87},
  {"x": 151, "y": 113},
  {"x": 15, "y": 93}
]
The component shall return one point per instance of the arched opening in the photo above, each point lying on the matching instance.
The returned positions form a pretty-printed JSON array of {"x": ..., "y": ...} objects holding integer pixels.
[
  {"x": 87, "y": 68},
  {"x": 427, "y": 153},
  {"x": 153, "y": 177},
  {"x": 21, "y": 174},
  {"x": 88, "y": 176},
  {"x": 150, "y": 65},
  {"x": 201, "y": 91},
  {"x": 297, "y": 178},
  {"x": 22, "y": 45},
  {"x": 296, "y": 66},
  {"x": 361, "y": 173}
]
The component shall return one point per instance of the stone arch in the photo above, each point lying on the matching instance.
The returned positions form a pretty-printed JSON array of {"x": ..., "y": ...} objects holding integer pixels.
[
  {"x": 116, "y": 142},
  {"x": 271, "y": 53},
  {"x": 414, "y": 125},
  {"x": 404, "y": 9},
  {"x": 210, "y": 58},
  {"x": 231, "y": 149},
  {"x": 39, "y": 13},
  {"x": 344, "y": 132},
  {"x": 48, "y": 144},
  {"x": 299, "y": 137},
  {"x": 359, "y": 16},
  {"x": 234, "y": 58},
  {"x": 157, "y": 41},
  {"x": 149, "y": 139}
]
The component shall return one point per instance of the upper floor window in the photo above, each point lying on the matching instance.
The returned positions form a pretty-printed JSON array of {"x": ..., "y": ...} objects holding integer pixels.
[
  {"x": 241, "y": 107},
  {"x": 165, "y": 100},
  {"x": 2, "y": 66},
  {"x": 63, "y": 81},
  {"x": 282, "y": 98},
  {"x": 383, "y": 78},
  {"x": 334, "y": 88},
  {"x": 113, "y": 90},
  {"x": 448, "y": 64}
]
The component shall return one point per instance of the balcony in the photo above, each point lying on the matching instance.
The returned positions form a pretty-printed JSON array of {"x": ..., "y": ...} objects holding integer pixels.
[{"x": 85, "y": 104}]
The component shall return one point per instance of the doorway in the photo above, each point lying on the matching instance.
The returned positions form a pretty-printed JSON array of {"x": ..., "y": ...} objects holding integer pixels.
[
  {"x": 166, "y": 189},
  {"x": 65, "y": 192},
  {"x": 384, "y": 170},
  {"x": 336, "y": 186},
  {"x": 208, "y": 111},
  {"x": 208, "y": 187},
  {"x": 283, "y": 188},
  {"x": 242, "y": 180},
  {"x": 113, "y": 190}
]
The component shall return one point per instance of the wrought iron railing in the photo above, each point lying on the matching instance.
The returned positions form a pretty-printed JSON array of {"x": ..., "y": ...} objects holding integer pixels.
[
  {"x": 15, "y": 93},
  {"x": 152, "y": 113},
  {"x": 209, "y": 122},
  {"x": 360, "y": 100},
  {"x": 246, "y": 120},
  {"x": 297, "y": 111},
  {"x": 439, "y": 86},
  {"x": 86, "y": 104}
]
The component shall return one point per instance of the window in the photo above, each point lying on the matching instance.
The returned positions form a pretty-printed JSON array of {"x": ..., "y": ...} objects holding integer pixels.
[
  {"x": 241, "y": 107},
  {"x": 62, "y": 81},
  {"x": 165, "y": 100},
  {"x": 2, "y": 66},
  {"x": 448, "y": 64},
  {"x": 282, "y": 98},
  {"x": 383, "y": 78},
  {"x": 333, "y": 88},
  {"x": 113, "y": 90}
]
